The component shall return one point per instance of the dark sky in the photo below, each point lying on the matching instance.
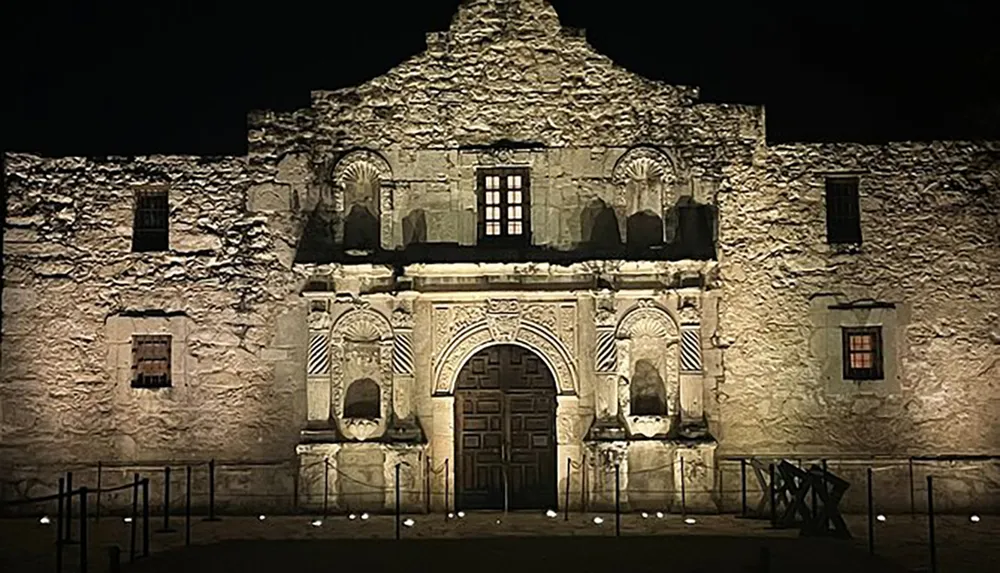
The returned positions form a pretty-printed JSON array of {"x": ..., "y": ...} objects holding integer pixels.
[{"x": 94, "y": 78}]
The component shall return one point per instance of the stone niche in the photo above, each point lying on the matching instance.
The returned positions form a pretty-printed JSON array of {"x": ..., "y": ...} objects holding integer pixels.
[
  {"x": 361, "y": 349},
  {"x": 646, "y": 341}
]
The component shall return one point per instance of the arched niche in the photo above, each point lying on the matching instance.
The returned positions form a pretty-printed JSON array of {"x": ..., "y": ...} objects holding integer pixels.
[
  {"x": 648, "y": 366},
  {"x": 363, "y": 400},
  {"x": 363, "y": 201},
  {"x": 643, "y": 177},
  {"x": 361, "y": 347}
]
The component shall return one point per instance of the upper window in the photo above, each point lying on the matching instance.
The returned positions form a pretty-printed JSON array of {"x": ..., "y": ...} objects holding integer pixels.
[
  {"x": 862, "y": 353},
  {"x": 151, "y": 223},
  {"x": 151, "y": 361},
  {"x": 504, "y": 206},
  {"x": 843, "y": 212}
]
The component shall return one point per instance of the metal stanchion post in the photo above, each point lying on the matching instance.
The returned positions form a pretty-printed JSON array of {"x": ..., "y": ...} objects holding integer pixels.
[
  {"x": 211, "y": 492},
  {"x": 771, "y": 496},
  {"x": 930, "y": 523},
  {"x": 569, "y": 472},
  {"x": 59, "y": 527},
  {"x": 69, "y": 507},
  {"x": 97, "y": 508},
  {"x": 397, "y": 501},
  {"x": 135, "y": 517},
  {"x": 166, "y": 501},
  {"x": 447, "y": 482},
  {"x": 743, "y": 487},
  {"x": 326, "y": 487},
  {"x": 683, "y": 491},
  {"x": 187, "y": 510},
  {"x": 145, "y": 517},
  {"x": 83, "y": 530},
  {"x": 913, "y": 501},
  {"x": 871, "y": 517},
  {"x": 618, "y": 500}
]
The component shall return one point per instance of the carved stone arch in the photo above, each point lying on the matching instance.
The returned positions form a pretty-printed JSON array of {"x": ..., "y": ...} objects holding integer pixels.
[
  {"x": 643, "y": 177},
  {"x": 535, "y": 337},
  {"x": 648, "y": 366},
  {"x": 369, "y": 170},
  {"x": 361, "y": 347}
]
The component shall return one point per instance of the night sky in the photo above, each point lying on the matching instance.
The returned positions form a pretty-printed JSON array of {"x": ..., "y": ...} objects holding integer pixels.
[{"x": 178, "y": 77}]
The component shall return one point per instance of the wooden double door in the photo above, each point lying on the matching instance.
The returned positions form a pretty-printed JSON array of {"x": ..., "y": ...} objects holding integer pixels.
[{"x": 505, "y": 442}]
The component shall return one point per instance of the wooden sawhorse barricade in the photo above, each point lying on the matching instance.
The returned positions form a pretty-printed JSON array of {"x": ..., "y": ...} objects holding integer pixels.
[{"x": 808, "y": 499}]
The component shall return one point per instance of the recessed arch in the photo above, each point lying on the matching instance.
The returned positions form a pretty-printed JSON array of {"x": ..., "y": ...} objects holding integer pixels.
[{"x": 530, "y": 336}]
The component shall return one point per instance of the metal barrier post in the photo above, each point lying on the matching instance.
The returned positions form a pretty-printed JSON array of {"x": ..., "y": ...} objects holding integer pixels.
[
  {"x": 913, "y": 502},
  {"x": 826, "y": 495},
  {"x": 166, "y": 501},
  {"x": 114, "y": 559},
  {"x": 145, "y": 517},
  {"x": 397, "y": 501},
  {"x": 187, "y": 510},
  {"x": 135, "y": 517},
  {"x": 871, "y": 517},
  {"x": 59, "y": 527},
  {"x": 569, "y": 471},
  {"x": 83, "y": 530},
  {"x": 326, "y": 486},
  {"x": 743, "y": 486},
  {"x": 69, "y": 507},
  {"x": 930, "y": 523},
  {"x": 97, "y": 509},
  {"x": 211, "y": 491},
  {"x": 771, "y": 494},
  {"x": 618, "y": 500},
  {"x": 683, "y": 491},
  {"x": 447, "y": 482}
]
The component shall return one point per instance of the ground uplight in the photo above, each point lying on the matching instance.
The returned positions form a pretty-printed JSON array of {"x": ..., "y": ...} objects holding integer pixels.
[
  {"x": 645, "y": 515},
  {"x": 45, "y": 520},
  {"x": 974, "y": 518},
  {"x": 364, "y": 516},
  {"x": 659, "y": 515},
  {"x": 598, "y": 520},
  {"x": 317, "y": 523},
  {"x": 127, "y": 520},
  {"x": 461, "y": 514},
  {"x": 690, "y": 521},
  {"x": 551, "y": 513},
  {"x": 352, "y": 517},
  {"x": 880, "y": 518},
  {"x": 262, "y": 517},
  {"x": 409, "y": 522}
]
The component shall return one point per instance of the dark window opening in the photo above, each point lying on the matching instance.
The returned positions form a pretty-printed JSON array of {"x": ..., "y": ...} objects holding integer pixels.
[
  {"x": 361, "y": 230},
  {"x": 150, "y": 228},
  {"x": 151, "y": 361},
  {"x": 504, "y": 207},
  {"x": 362, "y": 400},
  {"x": 862, "y": 352},
  {"x": 843, "y": 211}
]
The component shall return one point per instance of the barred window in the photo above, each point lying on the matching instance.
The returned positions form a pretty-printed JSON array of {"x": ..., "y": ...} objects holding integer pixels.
[
  {"x": 862, "y": 352},
  {"x": 151, "y": 361},
  {"x": 843, "y": 211},
  {"x": 504, "y": 207},
  {"x": 150, "y": 228}
]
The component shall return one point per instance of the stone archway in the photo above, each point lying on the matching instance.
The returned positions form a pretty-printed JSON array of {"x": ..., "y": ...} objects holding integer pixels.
[{"x": 505, "y": 431}]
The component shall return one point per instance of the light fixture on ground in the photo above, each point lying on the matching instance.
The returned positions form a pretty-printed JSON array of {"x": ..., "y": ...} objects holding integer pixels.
[
  {"x": 409, "y": 522},
  {"x": 317, "y": 523},
  {"x": 690, "y": 521},
  {"x": 127, "y": 520},
  {"x": 880, "y": 518},
  {"x": 659, "y": 515},
  {"x": 645, "y": 515},
  {"x": 45, "y": 520},
  {"x": 598, "y": 520},
  {"x": 499, "y": 522},
  {"x": 262, "y": 517},
  {"x": 352, "y": 517},
  {"x": 974, "y": 518},
  {"x": 451, "y": 516},
  {"x": 364, "y": 516},
  {"x": 551, "y": 513},
  {"x": 461, "y": 514}
]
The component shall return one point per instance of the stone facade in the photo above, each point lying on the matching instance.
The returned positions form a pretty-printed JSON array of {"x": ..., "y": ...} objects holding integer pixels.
[{"x": 324, "y": 292}]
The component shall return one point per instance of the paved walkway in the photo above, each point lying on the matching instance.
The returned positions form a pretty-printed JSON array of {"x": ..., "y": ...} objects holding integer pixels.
[{"x": 524, "y": 541}]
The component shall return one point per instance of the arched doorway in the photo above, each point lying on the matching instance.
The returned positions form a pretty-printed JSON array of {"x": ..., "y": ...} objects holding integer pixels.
[{"x": 505, "y": 437}]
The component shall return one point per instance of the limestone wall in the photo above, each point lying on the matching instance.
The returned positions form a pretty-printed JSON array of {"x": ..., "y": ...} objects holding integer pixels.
[
  {"x": 929, "y": 214},
  {"x": 74, "y": 293}
]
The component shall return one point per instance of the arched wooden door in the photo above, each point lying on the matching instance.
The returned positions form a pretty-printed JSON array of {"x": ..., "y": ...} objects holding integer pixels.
[{"x": 505, "y": 438}]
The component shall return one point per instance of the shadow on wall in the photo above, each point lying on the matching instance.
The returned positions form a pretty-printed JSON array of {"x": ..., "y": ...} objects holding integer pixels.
[
  {"x": 691, "y": 230},
  {"x": 415, "y": 228},
  {"x": 599, "y": 225},
  {"x": 361, "y": 230},
  {"x": 319, "y": 238}
]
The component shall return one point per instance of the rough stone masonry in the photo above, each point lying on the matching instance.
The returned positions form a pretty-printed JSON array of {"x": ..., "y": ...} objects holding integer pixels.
[{"x": 666, "y": 299}]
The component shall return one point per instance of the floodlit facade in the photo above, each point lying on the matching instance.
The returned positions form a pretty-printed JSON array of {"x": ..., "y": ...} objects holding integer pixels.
[{"x": 511, "y": 269}]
